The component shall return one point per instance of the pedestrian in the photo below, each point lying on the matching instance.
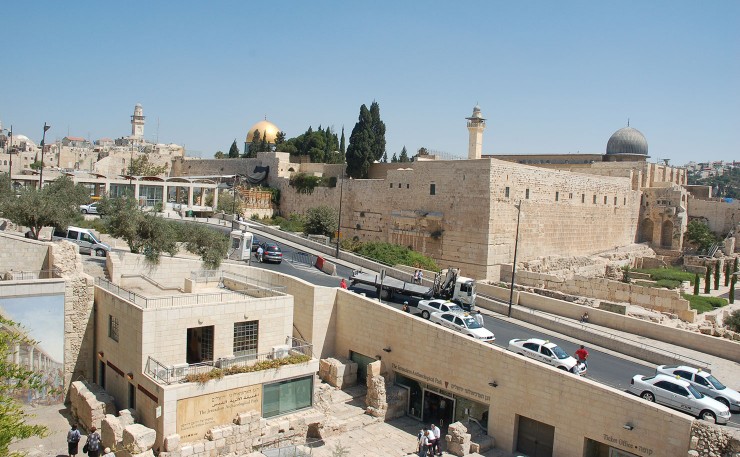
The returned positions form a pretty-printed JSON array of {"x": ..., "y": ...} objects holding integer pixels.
[
  {"x": 422, "y": 442},
  {"x": 343, "y": 284},
  {"x": 421, "y": 276},
  {"x": 416, "y": 277},
  {"x": 109, "y": 453},
  {"x": 405, "y": 307},
  {"x": 93, "y": 443},
  {"x": 584, "y": 318},
  {"x": 437, "y": 433},
  {"x": 430, "y": 443},
  {"x": 260, "y": 252},
  {"x": 479, "y": 318},
  {"x": 73, "y": 441},
  {"x": 582, "y": 355}
]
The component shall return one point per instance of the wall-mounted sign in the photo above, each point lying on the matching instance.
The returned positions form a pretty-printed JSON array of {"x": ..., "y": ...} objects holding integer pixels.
[
  {"x": 473, "y": 395},
  {"x": 196, "y": 415}
]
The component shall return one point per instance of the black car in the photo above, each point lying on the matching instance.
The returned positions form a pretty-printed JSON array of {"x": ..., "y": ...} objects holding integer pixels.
[{"x": 271, "y": 253}]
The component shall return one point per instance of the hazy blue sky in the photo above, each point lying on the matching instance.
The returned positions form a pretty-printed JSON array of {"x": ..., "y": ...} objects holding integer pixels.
[
  {"x": 43, "y": 319},
  {"x": 550, "y": 77}
]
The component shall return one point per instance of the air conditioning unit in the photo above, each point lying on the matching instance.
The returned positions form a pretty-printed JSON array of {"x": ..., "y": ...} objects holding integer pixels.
[
  {"x": 280, "y": 352},
  {"x": 225, "y": 362},
  {"x": 179, "y": 370}
]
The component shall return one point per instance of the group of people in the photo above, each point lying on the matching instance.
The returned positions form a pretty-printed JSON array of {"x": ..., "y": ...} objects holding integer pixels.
[
  {"x": 418, "y": 276},
  {"x": 92, "y": 445},
  {"x": 582, "y": 365},
  {"x": 429, "y": 441}
]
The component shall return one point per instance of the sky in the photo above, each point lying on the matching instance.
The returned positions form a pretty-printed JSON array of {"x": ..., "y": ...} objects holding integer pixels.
[
  {"x": 42, "y": 317},
  {"x": 550, "y": 77}
]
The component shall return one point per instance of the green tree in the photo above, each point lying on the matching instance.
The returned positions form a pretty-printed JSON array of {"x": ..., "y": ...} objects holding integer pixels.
[
  {"x": 716, "y": 276},
  {"x": 700, "y": 235},
  {"x": 234, "y": 150},
  {"x": 141, "y": 166},
  {"x": 707, "y": 279},
  {"x": 342, "y": 144},
  {"x": 264, "y": 145},
  {"x": 727, "y": 273},
  {"x": 696, "y": 284},
  {"x": 361, "y": 146},
  {"x": 404, "y": 157},
  {"x": 37, "y": 165},
  {"x": 279, "y": 138},
  {"x": 378, "y": 129},
  {"x": 255, "y": 144},
  {"x": 394, "y": 159},
  {"x": 144, "y": 232},
  {"x": 228, "y": 205},
  {"x": 385, "y": 157},
  {"x": 55, "y": 205},
  {"x": 15, "y": 380},
  {"x": 321, "y": 220},
  {"x": 219, "y": 155},
  {"x": 733, "y": 282},
  {"x": 210, "y": 244}
]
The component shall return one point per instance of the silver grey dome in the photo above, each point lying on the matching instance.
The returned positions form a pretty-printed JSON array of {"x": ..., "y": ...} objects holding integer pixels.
[{"x": 627, "y": 141}]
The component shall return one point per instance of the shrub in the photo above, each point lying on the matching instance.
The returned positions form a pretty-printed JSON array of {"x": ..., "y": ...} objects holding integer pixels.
[
  {"x": 656, "y": 274},
  {"x": 733, "y": 321},
  {"x": 269, "y": 364},
  {"x": 703, "y": 304},
  {"x": 321, "y": 220},
  {"x": 393, "y": 254}
]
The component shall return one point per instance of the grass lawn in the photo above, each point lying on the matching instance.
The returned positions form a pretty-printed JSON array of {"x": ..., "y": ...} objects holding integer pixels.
[
  {"x": 672, "y": 274},
  {"x": 704, "y": 304}
]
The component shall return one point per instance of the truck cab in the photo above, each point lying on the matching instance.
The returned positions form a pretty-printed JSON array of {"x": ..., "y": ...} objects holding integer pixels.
[{"x": 464, "y": 293}]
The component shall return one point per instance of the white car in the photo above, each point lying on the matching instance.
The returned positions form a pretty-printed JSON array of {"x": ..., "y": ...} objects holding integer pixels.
[
  {"x": 544, "y": 351},
  {"x": 463, "y": 323},
  {"x": 92, "y": 208},
  {"x": 678, "y": 393},
  {"x": 705, "y": 383},
  {"x": 438, "y": 305}
]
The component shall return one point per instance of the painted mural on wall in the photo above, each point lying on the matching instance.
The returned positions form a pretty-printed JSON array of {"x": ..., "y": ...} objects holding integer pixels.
[{"x": 42, "y": 320}]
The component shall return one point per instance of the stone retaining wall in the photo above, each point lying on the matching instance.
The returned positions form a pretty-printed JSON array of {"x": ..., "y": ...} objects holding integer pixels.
[
  {"x": 710, "y": 440},
  {"x": 90, "y": 404}
]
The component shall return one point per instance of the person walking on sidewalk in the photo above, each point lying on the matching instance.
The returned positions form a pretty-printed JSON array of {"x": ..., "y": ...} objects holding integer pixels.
[
  {"x": 73, "y": 441},
  {"x": 93, "y": 443},
  {"x": 437, "y": 435}
]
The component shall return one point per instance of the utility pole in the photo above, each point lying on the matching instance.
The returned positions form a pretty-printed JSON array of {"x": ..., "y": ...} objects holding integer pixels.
[
  {"x": 339, "y": 223},
  {"x": 43, "y": 141},
  {"x": 516, "y": 246}
]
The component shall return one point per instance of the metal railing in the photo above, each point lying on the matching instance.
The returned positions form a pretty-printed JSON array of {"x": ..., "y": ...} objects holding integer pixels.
[
  {"x": 173, "y": 300},
  {"x": 30, "y": 275},
  {"x": 168, "y": 374}
]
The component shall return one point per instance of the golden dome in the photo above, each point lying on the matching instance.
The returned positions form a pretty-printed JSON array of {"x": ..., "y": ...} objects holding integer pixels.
[{"x": 266, "y": 128}]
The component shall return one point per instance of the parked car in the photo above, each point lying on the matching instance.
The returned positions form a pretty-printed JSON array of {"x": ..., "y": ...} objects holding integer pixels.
[
  {"x": 92, "y": 208},
  {"x": 544, "y": 351},
  {"x": 463, "y": 323},
  {"x": 704, "y": 382},
  {"x": 255, "y": 244},
  {"x": 679, "y": 394},
  {"x": 84, "y": 238},
  {"x": 438, "y": 305},
  {"x": 271, "y": 253}
]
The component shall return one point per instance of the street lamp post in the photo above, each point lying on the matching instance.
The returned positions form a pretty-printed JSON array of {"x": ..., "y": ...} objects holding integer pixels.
[
  {"x": 43, "y": 141},
  {"x": 9, "y": 148},
  {"x": 516, "y": 246},
  {"x": 339, "y": 222},
  {"x": 233, "y": 197}
]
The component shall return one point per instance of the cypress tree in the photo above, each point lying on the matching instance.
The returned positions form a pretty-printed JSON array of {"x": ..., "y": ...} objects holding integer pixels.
[
  {"x": 716, "y": 276},
  {"x": 234, "y": 151},
  {"x": 696, "y": 284},
  {"x": 707, "y": 280},
  {"x": 378, "y": 129},
  {"x": 255, "y": 144},
  {"x": 727, "y": 273},
  {"x": 385, "y": 157},
  {"x": 404, "y": 157},
  {"x": 361, "y": 144},
  {"x": 394, "y": 159},
  {"x": 735, "y": 265},
  {"x": 342, "y": 148},
  {"x": 733, "y": 281}
]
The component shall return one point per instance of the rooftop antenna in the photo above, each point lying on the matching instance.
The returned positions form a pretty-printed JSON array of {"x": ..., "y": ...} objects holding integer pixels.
[
  {"x": 265, "y": 116},
  {"x": 628, "y": 122}
]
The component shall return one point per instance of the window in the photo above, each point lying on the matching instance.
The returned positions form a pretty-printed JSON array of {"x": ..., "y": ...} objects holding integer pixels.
[
  {"x": 407, "y": 186},
  {"x": 391, "y": 185},
  {"x": 245, "y": 337},
  {"x": 432, "y": 189},
  {"x": 683, "y": 374},
  {"x": 570, "y": 196},
  {"x": 583, "y": 198},
  {"x": 615, "y": 201},
  {"x": 625, "y": 201},
  {"x": 131, "y": 396},
  {"x": 72, "y": 235},
  {"x": 399, "y": 185},
  {"x": 113, "y": 327},
  {"x": 287, "y": 396},
  {"x": 557, "y": 196},
  {"x": 546, "y": 352},
  {"x": 532, "y": 347},
  {"x": 526, "y": 194},
  {"x": 506, "y": 192},
  {"x": 101, "y": 374},
  {"x": 594, "y": 199},
  {"x": 605, "y": 199},
  {"x": 701, "y": 381}
]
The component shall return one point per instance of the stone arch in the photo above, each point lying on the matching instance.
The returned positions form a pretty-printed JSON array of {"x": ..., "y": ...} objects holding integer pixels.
[
  {"x": 646, "y": 231},
  {"x": 666, "y": 234}
]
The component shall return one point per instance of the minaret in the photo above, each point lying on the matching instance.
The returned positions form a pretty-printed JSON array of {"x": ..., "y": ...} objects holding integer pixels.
[
  {"x": 476, "y": 125},
  {"x": 137, "y": 122}
]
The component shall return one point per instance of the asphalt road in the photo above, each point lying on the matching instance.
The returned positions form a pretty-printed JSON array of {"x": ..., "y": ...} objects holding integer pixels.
[{"x": 604, "y": 366}]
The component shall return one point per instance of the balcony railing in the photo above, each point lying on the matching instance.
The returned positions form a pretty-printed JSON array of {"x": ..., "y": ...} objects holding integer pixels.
[
  {"x": 168, "y": 374},
  {"x": 29, "y": 275}
]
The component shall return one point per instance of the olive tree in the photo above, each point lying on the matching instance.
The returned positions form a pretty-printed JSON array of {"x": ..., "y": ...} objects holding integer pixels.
[{"x": 321, "y": 220}]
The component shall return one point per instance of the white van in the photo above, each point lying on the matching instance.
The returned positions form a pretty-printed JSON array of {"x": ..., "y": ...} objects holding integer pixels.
[{"x": 84, "y": 238}]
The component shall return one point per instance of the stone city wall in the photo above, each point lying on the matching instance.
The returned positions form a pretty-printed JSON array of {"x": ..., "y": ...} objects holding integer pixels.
[
  {"x": 23, "y": 254},
  {"x": 385, "y": 327},
  {"x": 720, "y": 216}
]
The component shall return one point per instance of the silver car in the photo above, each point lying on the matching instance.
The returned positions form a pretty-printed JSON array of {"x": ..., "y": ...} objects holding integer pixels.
[
  {"x": 679, "y": 394},
  {"x": 704, "y": 382}
]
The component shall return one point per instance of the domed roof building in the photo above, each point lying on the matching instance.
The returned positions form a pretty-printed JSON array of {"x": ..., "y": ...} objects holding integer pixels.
[
  {"x": 267, "y": 130},
  {"x": 627, "y": 144}
]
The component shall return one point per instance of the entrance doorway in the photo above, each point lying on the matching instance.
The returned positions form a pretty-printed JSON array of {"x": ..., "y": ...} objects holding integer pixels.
[
  {"x": 438, "y": 409},
  {"x": 535, "y": 438},
  {"x": 362, "y": 361}
]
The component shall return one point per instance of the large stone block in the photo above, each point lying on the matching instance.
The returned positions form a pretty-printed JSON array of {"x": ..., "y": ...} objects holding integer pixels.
[
  {"x": 111, "y": 431},
  {"x": 138, "y": 438},
  {"x": 172, "y": 443}
]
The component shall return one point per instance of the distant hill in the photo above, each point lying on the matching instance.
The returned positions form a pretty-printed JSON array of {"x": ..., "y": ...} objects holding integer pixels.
[{"x": 727, "y": 185}]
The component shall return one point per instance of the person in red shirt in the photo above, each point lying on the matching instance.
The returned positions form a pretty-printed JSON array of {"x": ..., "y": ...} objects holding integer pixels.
[
  {"x": 582, "y": 355},
  {"x": 343, "y": 284}
]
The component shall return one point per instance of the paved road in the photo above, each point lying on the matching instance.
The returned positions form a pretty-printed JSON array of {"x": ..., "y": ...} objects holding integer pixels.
[{"x": 604, "y": 366}]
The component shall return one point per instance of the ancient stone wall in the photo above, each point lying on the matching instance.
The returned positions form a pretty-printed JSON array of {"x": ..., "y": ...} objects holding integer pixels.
[
  {"x": 89, "y": 404},
  {"x": 25, "y": 254},
  {"x": 720, "y": 216},
  {"x": 710, "y": 440}
]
